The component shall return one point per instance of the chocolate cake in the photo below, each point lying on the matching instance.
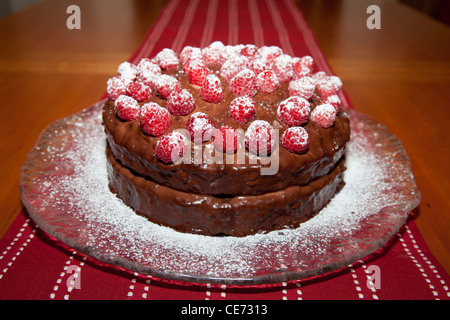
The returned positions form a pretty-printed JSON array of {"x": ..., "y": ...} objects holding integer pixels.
[{"x": 225, "y": 140}]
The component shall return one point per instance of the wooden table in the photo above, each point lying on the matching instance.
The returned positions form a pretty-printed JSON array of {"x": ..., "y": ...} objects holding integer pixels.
[{"x": 399, "y": 74}]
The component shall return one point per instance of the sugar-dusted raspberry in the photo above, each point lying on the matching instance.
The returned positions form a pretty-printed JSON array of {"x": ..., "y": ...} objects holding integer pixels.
[
  {"x": 127, "y": 70},
  {"x": 335, "y": 101},
  {"x": 244, "y": 83},
  {"x": 190, "y": 53},
  {"x": 167, "y": 59},
  {"x": 324, "y": 115},
  {"x": 197, "y": 72},
  {"x": 336, "y": 80},
  {"x": 327, "y": 87},
  {"x": 319, "y": 75},
  {"x": 259, "y": 65},
  {"x": 294, "y": 111},
  {"x": 154, "y": 119},
  {"x": 230, "y": 68},
  {"x": 225, "y": 139},
  {"x": 180, "y": 103},
  {"x": 146, "y": 65},
  {"x": 260, "y": 138},
  {"x": 184, "y": 54},
  {"x": 308, "y": 61},
  {"x": 282, "y": 66},
  {"x": 166, "y": 84},
  {"x": 212, "y": 56},
  {"x": 139, "y": 91},
  {"x": 127, "y": 108},
  {"x": 249, "y": 50},
  {"x": 211, "y": 90},
  {"x": 242, "y": 109},
  {"x": 148, "y": 78},
  {"x": 200, "y": 127},
  {"x": 171, "y": 147},
  {"x": 116, "y": 86},
  {"x": 300, "y": 68},
  {"x": 267, "y": 81},
  {"x": 270, "y": 52},
  {"x": 295, "y": 139},
  {"x": 302, "y": 87}
]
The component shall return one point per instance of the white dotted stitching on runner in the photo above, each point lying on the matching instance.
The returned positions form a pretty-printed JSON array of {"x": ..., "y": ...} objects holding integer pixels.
[
  {"x": 18, "y": 235},
  {"x": 208, "y": 293},
  {"x": 61, "y": 276},
  {"x": 356, "y": 282},
  {"x": 131, "y": 287},
  {"x": 19, "y": 251},
  {"x": 146, "y": 288},
  {"x": 299, "y": 291},
  {"x": 427, "y": 261},
  {"x": 223, "y": 294},
  {"x": 370, "y": 282},
  {"x": 418, "y": 265},
  {"x": 284, "y": 291}
]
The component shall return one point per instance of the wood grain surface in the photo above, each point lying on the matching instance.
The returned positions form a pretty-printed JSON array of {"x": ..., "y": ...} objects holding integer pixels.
[{"x": 399, "y": 75}]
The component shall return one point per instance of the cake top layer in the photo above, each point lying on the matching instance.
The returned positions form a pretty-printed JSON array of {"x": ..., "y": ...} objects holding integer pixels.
[
  {"x": 248, "y": 79},
  {"x": 226, "y": 120}
]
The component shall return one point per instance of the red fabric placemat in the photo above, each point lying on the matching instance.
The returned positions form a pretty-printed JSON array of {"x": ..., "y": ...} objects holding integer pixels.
[{"x": 34, "y": 265}]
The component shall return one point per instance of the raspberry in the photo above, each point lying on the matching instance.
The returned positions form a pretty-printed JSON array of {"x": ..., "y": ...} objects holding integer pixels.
[
  {"x": 308, "y": 61},
  {"x": 148, "y": 77},
  {"x": 295, "y": 139},
  {"x": 225, "y": 139},
  {"x": 270, "y": 52},
  {"x": 116, "y": 86},
  {"x": 267, "y": 81},
  {"x": 324, "y": 115},
  {"x": 138, "y": 91},
  {"x": 171, "y": 147},
  {"x": 302, "y": 87},
  {"x": 244, "y": 83},
  {"x": 326, "y": 87},
  {"x": 300, "y": 68},
  {"x": 336, "y": 80},
  {"x": 147, "y": 65},
  {"x": 185, "y": 52},
  {"x": 180, "y": 103},
  {"x": 127, "y": 70},
  {"x": 167, "y": 59},
  {"x": 294, "y": 111},
  {"x": 127, "y": 108},
  {"x": 200, "y": 127},
  {"x": 249, "y": 50},
  {"x": 197, "y": 72},
  {"x": 166, "y": 84},
  {"x": 230, "y": 68},
  {"x": 191, "y": 53},
  {"x": 319, "y": 75},
  {"x": 283, "y": 67},
  {"x": 212, "y": 56},
  {"x": 211, "y": 90},
  {"x": 335, "y": 101},
  {"x": 260, "y": 138},
  {"x": 154, "y": 119},
  {"x": 242, "y": 109},
  {"x": 259, "y": 65}
]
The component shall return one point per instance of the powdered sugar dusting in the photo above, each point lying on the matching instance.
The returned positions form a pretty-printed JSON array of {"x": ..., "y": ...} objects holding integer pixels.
[{"x": 65, "y": 189}]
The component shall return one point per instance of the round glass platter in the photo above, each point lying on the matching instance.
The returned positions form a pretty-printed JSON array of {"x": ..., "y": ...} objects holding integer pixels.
[{"x": 64, "y": 187}]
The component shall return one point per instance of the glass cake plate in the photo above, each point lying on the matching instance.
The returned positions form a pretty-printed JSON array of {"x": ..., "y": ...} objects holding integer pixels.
[{"x": 64, "y": 187}]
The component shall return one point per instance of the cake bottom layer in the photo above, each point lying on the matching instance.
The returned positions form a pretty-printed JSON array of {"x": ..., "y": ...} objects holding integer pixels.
[{"x": 222, "y": 216}]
